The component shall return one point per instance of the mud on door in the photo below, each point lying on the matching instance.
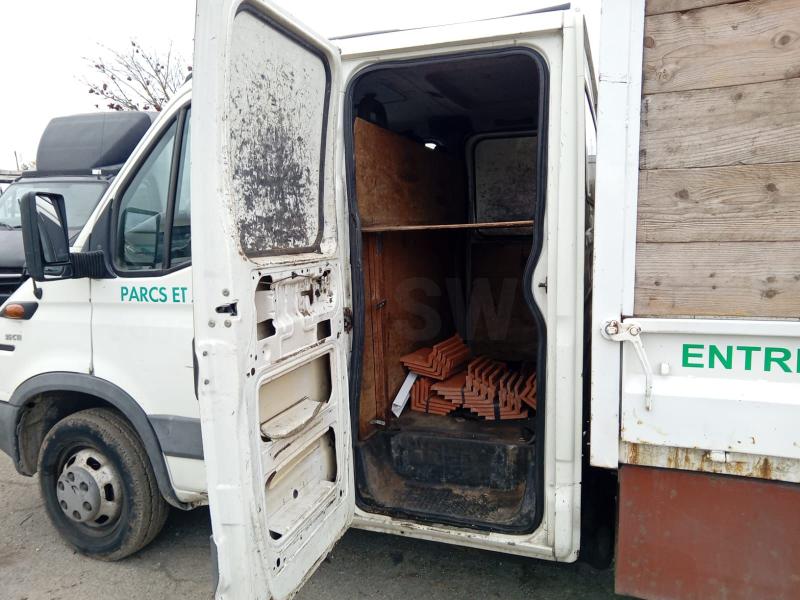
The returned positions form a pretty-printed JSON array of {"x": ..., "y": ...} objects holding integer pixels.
[{"x": 269, "y": 304}]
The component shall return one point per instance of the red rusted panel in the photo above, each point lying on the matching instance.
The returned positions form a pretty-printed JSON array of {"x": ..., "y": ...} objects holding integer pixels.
[{"x": 698, "y": 536}]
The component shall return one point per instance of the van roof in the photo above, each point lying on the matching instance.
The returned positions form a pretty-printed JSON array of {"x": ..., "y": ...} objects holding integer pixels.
[{"x": 553, "y": 8}]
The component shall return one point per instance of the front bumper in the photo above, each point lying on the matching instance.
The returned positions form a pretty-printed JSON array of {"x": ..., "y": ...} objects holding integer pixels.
[{"x": 8, "y": 429}]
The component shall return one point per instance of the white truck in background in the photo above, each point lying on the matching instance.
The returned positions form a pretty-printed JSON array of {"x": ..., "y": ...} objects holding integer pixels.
[{"x": 351, "y": 203}]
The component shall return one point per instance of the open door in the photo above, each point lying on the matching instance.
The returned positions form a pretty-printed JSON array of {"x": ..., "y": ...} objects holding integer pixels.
[{"x": 269, "y": 281}]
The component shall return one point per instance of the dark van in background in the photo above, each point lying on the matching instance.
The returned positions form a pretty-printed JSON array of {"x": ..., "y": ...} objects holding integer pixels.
[{"x": 78, "y": 156}]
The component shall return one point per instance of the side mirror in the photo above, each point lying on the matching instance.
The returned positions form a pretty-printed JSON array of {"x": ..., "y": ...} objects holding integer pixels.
[{"x": 45, "y": 235}]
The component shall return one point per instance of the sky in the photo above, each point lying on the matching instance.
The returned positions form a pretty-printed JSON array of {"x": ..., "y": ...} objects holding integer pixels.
[{"x": 44, "y": 45}]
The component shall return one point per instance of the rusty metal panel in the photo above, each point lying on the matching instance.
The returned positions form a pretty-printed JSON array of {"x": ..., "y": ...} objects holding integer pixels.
[
  {"x": 709, "y": 461},
  {"x": 697, "y": 536}
]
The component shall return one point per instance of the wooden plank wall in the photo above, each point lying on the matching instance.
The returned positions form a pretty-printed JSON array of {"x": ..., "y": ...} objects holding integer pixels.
[
  {"x": 407, "y": 307},
  {"x": 719, "y": 182}
]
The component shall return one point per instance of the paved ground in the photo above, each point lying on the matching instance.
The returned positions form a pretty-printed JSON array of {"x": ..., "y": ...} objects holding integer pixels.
[{"x": 36, "y": 565}]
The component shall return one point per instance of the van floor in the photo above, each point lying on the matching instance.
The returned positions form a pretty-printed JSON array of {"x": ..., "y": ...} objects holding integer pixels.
[{"x": 451, "y": 470}]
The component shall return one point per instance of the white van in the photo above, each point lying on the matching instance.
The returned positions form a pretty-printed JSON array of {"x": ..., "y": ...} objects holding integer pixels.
[
  {"x": 317, "y": 377},
  {"x": 354, "y": 206},
  {"x": 97, "y": 368}
]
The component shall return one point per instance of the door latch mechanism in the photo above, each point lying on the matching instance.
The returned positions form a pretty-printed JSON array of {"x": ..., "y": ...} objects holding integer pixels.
[{"x": 617, "y": 331}]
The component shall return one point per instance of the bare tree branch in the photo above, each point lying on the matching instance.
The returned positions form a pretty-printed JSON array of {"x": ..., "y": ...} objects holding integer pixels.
[{"x": 137, "y": 78}]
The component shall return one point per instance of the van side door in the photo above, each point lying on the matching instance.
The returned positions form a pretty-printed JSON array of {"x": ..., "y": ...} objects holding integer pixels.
[
  {"x": 270, "y": 267},
  {"x": 142, "y": 331}
]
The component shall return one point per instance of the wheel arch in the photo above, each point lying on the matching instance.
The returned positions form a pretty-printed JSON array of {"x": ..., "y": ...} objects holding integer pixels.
[{"x": 44, "y": 399}]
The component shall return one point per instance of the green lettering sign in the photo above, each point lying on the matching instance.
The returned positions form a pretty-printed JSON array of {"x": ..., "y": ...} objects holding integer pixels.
[
  {"x": 776, "y": 359},
  {"x": 748, "y": 355},
  {"x": 770, "y": 359},
  {"x": 715, "y": 355},
  {"x": 156, "y": 294},
  {"x": 688, "y": 354}
]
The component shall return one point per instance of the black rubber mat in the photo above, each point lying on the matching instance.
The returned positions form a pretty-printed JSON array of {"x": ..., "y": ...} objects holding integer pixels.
[{"x": 475, "y": 479}]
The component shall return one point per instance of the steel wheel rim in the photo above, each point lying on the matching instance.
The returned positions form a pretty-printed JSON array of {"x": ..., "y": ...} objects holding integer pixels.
[{"x": 89, "y": 489}]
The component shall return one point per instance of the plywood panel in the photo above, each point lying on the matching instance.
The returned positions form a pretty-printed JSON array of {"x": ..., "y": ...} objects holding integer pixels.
[
  {"x": 745, "y": 124},
  {"x": 655, "y": 7},
  {"x": 400, "y": 182},
  {"x": 738, "y": 203},
  {"x": 408, "y": 278},
  {"x": 420, "y": 270},
  {"x": 373, "y": 381},
  {"x": 500, "y": 323},
  {"x": 737, "y": 279},
  {"x": 730, "y": 44}
]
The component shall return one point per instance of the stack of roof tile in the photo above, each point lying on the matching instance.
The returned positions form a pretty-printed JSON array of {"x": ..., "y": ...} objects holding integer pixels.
[
  {"x": 490, "y": 390},
  {"x": 487, "y": 388},
  {"x": 439, "y": 362},
  {"x": 423, "y": 399}
]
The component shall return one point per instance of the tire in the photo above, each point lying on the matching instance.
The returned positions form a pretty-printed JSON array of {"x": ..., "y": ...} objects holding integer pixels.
[{"x": 98, "y": 486}]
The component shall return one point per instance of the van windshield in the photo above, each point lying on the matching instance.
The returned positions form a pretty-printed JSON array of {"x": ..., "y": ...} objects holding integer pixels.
[{"x": 80, "y": 198}]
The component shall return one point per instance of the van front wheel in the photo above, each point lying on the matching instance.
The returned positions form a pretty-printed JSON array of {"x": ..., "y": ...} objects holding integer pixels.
[{"x": 98, "y": 486}]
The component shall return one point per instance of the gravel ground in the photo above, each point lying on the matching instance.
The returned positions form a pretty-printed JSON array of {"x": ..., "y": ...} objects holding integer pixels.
[{"x": 36, "y": 565}]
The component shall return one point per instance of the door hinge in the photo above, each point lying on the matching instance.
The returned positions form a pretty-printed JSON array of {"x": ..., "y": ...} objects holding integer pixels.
[
  {"x": 348, "y": 320},
  {"x": 618, "y": 331}
]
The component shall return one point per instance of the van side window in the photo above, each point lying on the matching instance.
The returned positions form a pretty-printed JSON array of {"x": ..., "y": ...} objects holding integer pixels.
[
  {"x": 143, "y": 208},
  {"x": 181, "y": 241},
  {"x": 591, "y": 125},
  {"x": 153, "y": 211}
]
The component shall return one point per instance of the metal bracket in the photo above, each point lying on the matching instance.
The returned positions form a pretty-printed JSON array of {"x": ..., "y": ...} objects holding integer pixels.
[{"x": 617, "y": 331}]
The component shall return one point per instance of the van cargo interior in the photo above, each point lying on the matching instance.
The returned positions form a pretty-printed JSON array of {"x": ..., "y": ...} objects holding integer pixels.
[{"x": 443, "y": 180}]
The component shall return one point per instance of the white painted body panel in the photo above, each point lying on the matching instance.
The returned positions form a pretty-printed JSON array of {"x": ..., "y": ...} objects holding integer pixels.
[
  {"x": 144, "y": 347},
  {"x": 56, "y": 339},
  {"x": 705, "y": 401},
  {"x": 188, "y": 477},
  {"x": 616, "y": 190}
]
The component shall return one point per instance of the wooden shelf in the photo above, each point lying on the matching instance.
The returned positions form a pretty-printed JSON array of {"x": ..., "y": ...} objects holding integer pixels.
[{"x": 492, "y": 225}]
